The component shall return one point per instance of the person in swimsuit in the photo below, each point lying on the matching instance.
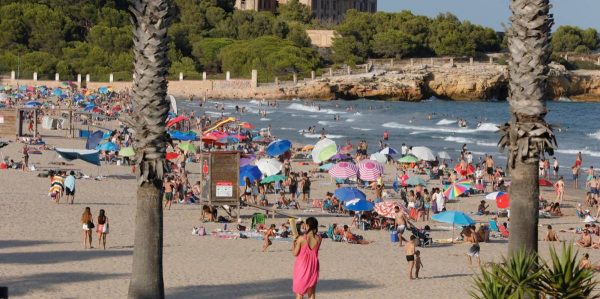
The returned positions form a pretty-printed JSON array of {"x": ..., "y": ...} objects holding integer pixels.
[
  {"x": 168, "y": 186},
  {"x": 474, "y": 250},
  {"x": 560, "y": 189},
  {"x": 551, "y": 235},
  {"x": 409, "y": 250},
  {"x": 401, "y": 224},
  {"x": 555, "y": 167},
  {"x": 88, "y": 224},
  {"x": 102, "y": 228}
]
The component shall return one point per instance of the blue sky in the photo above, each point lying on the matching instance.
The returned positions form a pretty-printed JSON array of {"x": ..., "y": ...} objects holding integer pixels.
[{"x": 492, "y": 13}]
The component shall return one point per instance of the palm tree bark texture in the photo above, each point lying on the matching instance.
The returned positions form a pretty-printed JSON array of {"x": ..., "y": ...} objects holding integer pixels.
[
  {"x": 150, "y": 19},
  {"x": 527, "y": 136}
]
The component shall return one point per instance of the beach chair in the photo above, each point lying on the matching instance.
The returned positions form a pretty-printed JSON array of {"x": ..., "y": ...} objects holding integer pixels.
[
  {"x": 423, "y": 237},
  {"x": 494, "y": 226},
  {"x": 257, "y": 219},
  {"x": 504, "y": 231}
]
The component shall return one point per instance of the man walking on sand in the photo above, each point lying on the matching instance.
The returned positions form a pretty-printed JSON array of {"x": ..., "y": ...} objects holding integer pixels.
[
  {"x": 70, "y": 187},
  {"x": 409, "y": 250},
  {"x": 401, "y": 224}
]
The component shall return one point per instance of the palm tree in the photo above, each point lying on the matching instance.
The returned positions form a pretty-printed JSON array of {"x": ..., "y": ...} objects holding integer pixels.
[
  {"x": 150, "y": 21},
  {"x": 527, "y": 136}
]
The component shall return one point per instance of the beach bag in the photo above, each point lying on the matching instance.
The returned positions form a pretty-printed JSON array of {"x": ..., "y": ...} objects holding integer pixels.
[
  {"x": 90, "y": 225},
  {"x": 105, "y": 228}
]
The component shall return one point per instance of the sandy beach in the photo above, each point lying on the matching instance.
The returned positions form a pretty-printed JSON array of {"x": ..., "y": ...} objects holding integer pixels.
[{"x": 42, "y": 256}]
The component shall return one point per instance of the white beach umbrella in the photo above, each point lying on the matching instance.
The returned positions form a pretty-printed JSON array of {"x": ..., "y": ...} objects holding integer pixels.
[
  {"x": 379, "y": 157},
  {"x": 444, "y": 155},
  {"x": 269, "y": 166},
  {"x": 423, "y": 153},
  {"x": 323, "y": 150}
]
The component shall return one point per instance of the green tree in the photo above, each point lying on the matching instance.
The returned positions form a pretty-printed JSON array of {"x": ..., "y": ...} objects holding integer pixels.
[
  {"x": 294, "y": 11},
  {"x": 394, "y": 43},
  {"x": 566, "y": 39},
  {"x": 297, "y": 35},
  {"x": 41, "y": 62},
  {"x": 206, "y": 53},
  {"x": 347, "y": 49}
]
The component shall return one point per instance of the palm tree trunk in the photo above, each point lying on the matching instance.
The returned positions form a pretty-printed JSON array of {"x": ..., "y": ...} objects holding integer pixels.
[
  {"x": 150, "y": 21},
  {"x": 527, "y": 136}
]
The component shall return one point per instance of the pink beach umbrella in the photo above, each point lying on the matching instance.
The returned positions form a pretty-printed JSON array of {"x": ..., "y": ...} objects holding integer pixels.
[
  {"x": 387, "y": 208},
  {"x": 369, "y": 170},
  {"x": 343, "y": 170}
]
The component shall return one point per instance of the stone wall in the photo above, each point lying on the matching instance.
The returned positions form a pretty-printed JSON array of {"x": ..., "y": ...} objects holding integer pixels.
[{"x": 321, "y": 38}]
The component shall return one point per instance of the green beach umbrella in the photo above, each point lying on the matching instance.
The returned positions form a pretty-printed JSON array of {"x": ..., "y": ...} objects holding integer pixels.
[
  {"x": 127, "y": 152},
  {"x": 408, "y": 159},
  {"x": 187, "y": 147},
  {"x": 324, "y": 150},
  {"x": 273, "y": 178}
]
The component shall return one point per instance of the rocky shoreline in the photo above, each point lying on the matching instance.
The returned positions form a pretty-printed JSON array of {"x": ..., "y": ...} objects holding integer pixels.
[{"x": 415, "y": 83}]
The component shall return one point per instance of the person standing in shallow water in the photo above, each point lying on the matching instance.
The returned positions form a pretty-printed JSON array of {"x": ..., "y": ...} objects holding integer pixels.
[{"x": 306, "y": 265}]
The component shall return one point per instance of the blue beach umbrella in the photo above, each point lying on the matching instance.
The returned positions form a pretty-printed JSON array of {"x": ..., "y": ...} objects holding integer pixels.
[
  {"x": 92, "y": 97},
  {"x": 326, "y": 167},
  {"x": 278, "y": 147},
  {"x": 108, "y": 146},
  {"x": 349, "y": 193},
  {"x": 103, "y": 90},
  {"x": 33, "y": 104},
  {"x": 89, "y": 107},
  {"x": 251, "y": 172},
  {"x": 453, "y": 217},
  {"x": 228, "y": 140},
  {"x": 78, "y": 97},
  {"x": 185, "y": 136},
  {"x": 415, "y": 181},
  {"x": 57, "y": 92},
  {"x": 22, "y": 87},
  {"x": 359, "y": 205},
  {"x": 389, "y": 151}
]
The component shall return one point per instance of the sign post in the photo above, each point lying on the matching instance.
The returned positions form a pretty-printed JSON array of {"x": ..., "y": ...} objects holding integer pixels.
[{"x": 220, "y": 179}]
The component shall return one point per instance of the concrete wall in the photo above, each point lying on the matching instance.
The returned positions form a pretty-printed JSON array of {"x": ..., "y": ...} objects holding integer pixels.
[
  {"x": 321, "y": 38},
  {"x": 8, "y": 122}
]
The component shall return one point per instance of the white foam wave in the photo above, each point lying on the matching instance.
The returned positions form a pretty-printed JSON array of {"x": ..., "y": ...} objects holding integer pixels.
[
  {"x": 326, "y": 123},
  {"x": 459, "y": 139},
  {"x": 217, "y": 113},
  {"x": 595, "y": 135},
  {"x": 574, "y": 152},
  {"x": 350, "y": 120},
  {"x": 301, "y": 107},
  {"x": 361, "y": 129},
  {"x": 487, "y": 127},
  {"x": 265, "y": 119},
  {"x": 445, "y": 122},
  {"x": 330, "y": 136},
  {"x": 288, "y": 129},
  {"x": 490, "y": 144}
]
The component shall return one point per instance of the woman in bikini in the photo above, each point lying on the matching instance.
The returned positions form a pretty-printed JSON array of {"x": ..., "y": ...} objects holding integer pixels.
[
  {"x": 87, "y": 222},
  {"x": 102, "y": 228}
]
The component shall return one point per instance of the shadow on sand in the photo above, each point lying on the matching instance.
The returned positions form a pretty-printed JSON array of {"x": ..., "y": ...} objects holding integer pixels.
[
  {"x": 275, "y": 288},
  {"x": 53, "y": 257},
  {"x": 22, "y": 285},
  {"x": 4, "y": 244}
]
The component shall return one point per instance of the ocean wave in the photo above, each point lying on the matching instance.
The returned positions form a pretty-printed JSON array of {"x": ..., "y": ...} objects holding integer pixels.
[
  {"x": 302, "y": 107},
  {"x": 288, "y": 129},
  {"x": 490, "y": 144},
  {"x": 327, "y": 123},
  {"x": 265, "y": 119},
  {"x": 217, "y": 113},
  {"x": 574, "y": 152},
  {"x": 445, "y": 122},
  {"x": 487, "y": 127},
  {"x": 459, "y": 139},
  {"x": 330, "y": 136},
  {"x": 595, "y": 135},
  {"x": 350, "y": 120},
  {"x": 361, "y": 129}
]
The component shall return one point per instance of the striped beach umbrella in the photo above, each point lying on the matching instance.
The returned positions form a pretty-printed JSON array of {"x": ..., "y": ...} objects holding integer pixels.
[
  {"x": 343, "y": 170},
  {"x": 369, "y": 170},
  {"x": 455, "y": 190},
  {"x": 387, "y": 208}
]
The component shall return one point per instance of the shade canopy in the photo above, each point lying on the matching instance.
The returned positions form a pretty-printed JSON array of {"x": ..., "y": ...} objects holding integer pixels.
[{"x": 90, "y": 156}]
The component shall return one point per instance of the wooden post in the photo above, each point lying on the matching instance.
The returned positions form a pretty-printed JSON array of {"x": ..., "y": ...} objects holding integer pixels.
[
  {"x": 366, "y": 68},
  {"x": 451, "y": 61},
  {"x": 392, "y": 62},
  {"x": 431, "y": 61}
]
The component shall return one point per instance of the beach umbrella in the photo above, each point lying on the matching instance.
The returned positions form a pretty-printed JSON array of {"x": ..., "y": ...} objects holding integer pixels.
[
  {"x": 444, "y": 155},
  {"x": 259, "y": 139},
  {"x": 359, "y": 205},
  {"x": 178, "y": 135},
  {"x": 340, "y": 157},
  {"x": 78, "y": 97},
  {"x": 369, "y": 170},
  {"x": 116, "y": 108},
  {"x": 94, "y": 139},
  {"x": 108, "y": 146},
  {"x": 187, "y": 147},
  {"x": 349, "y": 193},
  {"x": 33, "y": 104},
  {"x": 454, "y": 218},
  {"x": 465, "y": 182},
  {"x": 228, "y": 140},
  {"x": 423, "y": 153},
  {"x": 278, "y": 147},
  {"x": 415, "y": 181},
  {"x": 307, "y": 148},
  {"x": 171, "y": 156},
  {"x": 464, "y": 172},
  {"x": 545, "y": 183},
  {"x": 343, "y": 170},
  {"x": 127, "y": 152},
  {"x": 389, "y": 151},
  {"x": 176, "y": 120},
  {"x": 103, "y": 90},
  {"x": 379, "y": 157},
  {"x": 273, "y": 178},
  {"x": 326, "y": 167},
  {"x": 89, "y": 107},
  {"x": 247, "y": 125},
  {"x": 269, "y": 166},
  {"x": 239, "y": 136},
  {"x": 387, "y": 208},
  {"x": 57, "y": 92},
  {"x": 251, "y": 172},
  {"x": 90, "y": 156},
  {"x": 455, "y": 190},
  {"x": 408, "y": 159},
  {"x": 502, "y": 199},
  {"x": 324, "y": 150},
  {"x": 247, "y": 160}
]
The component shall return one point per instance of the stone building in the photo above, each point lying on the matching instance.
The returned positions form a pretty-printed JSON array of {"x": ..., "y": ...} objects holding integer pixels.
[
  {"x": 258, "y": 5},
  {"x": 331, "y": 11}
]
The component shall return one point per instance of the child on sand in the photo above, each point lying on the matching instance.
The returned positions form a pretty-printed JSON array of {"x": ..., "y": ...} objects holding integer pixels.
[
  {"x": 418, "y": 263},
  {"x": 269, "y": 233}
]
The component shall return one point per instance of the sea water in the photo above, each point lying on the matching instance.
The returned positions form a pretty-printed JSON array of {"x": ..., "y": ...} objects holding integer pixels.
[{"x": 575, "y": 124}]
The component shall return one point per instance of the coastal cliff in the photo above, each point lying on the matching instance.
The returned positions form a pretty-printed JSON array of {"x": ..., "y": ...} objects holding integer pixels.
[{"x": 452, "y": 82}]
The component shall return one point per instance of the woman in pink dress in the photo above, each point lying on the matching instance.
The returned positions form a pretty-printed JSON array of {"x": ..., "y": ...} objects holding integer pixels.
[{"x": 306, "y": 266}]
